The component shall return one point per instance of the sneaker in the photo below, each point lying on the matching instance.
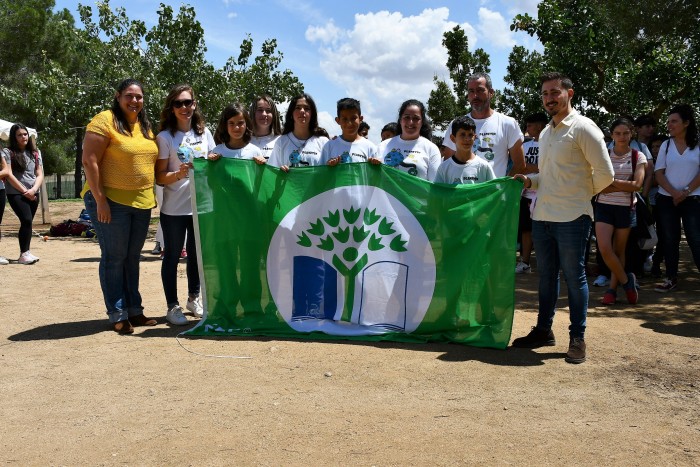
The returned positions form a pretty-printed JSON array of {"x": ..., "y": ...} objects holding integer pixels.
[
  {"x": 183, "y": 254},
  {"x": 666, "y": 286},
  {"x": 536, "y": 338},
  {"x": 156, "y": 249},
  {"x": 27, "y": 258},
  {"x": 631, "y": 289},
  {"x": 32, "y": 256},
  {"x": 609, "y": 298},
  {"x": 195, "y": 306},
  {"x": 601, "y": 281},
  {"x": 175, "y": 316},
  {"x": 3, "y": 260},
  {"x": 522, "y": 268},
  {"x": 577, "y": 351}
]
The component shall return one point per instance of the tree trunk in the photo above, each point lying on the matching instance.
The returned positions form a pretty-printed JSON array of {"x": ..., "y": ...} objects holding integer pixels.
[
  {"x": 78, "y": 161},
  {"x": 58, "y": 186}
]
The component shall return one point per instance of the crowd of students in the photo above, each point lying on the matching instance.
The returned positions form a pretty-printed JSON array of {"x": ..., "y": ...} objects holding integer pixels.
[{"x": 121, "y": 150}]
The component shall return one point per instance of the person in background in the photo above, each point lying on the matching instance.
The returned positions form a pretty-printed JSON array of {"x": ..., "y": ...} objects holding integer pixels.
[
  {"x": 411, "y": 150},
  {"x": 389, "y": 131},
  {"x": 4, "y": 172},
  {"x": 678, "y": 200},
  {"x": 119, "y": 157},
  {"x": 22, "y": 185},
  {"x": 645, "y": 126},
  {"x": 363, "y": 130},
  {"x": 651, "y": 190},
  {"x": 182, "y": 136},
  {"x": 614, "y": 210},
  {"x": 534, "y": 124},
  {"x": 265, "y": 124},
  {"x": 574, "y": 165}
]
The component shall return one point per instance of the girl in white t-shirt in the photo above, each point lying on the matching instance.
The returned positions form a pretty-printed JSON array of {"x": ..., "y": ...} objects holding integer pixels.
[
  {"x": 182, "y": 136},
  {"x": 411, "y": 150},
  {"x": 233, "y": 135},
  {"x": 265, "y": 124},
  {"x": 299, "y": 146}
]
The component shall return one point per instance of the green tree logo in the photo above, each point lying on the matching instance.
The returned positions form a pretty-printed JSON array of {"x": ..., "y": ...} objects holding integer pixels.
[{"x": 346, "y": 237}]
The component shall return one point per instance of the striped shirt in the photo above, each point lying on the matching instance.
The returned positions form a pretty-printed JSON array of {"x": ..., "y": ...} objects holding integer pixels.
[{"x": 622, "y": 165}]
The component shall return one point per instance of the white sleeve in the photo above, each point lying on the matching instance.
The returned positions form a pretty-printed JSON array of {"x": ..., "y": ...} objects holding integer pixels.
[
  {"x": 164, "y": 143},
  {"x": 276, "y": 155},
  {"x": 210, "y": 140},
  {"x": 514, "y": 133},
  {"x": 446, "y": 141},
  {"x": 434, "y": 161}
]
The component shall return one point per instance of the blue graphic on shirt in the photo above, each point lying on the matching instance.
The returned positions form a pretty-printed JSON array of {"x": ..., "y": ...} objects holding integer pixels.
[
  {"x": 185, "y": 154},
  {"x": 482, "y": 147},
  {"x": 345, "y": 158},
  {"x": 393, "y": 158},
  {"x": 295, "y": 159}
]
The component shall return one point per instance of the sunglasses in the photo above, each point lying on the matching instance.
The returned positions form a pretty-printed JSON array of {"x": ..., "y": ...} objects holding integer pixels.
[{"x": 186, "y": 103}]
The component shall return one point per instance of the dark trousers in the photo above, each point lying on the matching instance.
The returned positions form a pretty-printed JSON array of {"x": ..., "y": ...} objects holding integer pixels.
[
  {"x": 670, "y": 217},
  {"x": 24, "y": 210},
  {"x": 174, "y": 229}
]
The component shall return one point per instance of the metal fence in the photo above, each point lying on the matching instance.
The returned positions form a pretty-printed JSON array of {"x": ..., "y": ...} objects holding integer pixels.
[{"x": 66, "y": 188}]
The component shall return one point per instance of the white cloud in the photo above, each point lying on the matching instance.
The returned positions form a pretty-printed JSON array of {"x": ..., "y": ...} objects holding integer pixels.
[
  {"x": 494, "y": 27},
  {"x": 521, "y": 6},
  {"x": 232, "y": 15},
  {"x": 385, "y": 59}
]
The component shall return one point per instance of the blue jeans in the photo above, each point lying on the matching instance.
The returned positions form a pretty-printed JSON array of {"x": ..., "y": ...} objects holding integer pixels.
[
  {"x": 174, "y": 229},
  {"x": 669, "y": 226},
  {"x": 121, "y": 242},
  {"x": 562, "y": 245}
]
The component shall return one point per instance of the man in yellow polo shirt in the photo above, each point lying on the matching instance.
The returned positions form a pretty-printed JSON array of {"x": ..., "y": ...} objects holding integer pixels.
[{"x": 574, "y": 166}]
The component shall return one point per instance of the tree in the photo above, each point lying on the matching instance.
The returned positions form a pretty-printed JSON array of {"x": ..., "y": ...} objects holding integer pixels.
[
  {"x": 522, "y": 96},
  {"x": 641, "y": 61},
  {"x": 445, "y": 104}
]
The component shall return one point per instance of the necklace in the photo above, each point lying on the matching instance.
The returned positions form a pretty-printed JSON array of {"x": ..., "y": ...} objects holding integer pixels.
[{"x": 295, "y": 155}]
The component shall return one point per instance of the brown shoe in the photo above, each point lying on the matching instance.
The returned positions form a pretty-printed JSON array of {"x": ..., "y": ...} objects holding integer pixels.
[
  {"x": 123, "y": 327},
  {"x": 577, "y": 351},
  {"x": 141, "y": 320}
]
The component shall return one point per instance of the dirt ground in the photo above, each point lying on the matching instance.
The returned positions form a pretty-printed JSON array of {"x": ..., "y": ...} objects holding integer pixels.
[{"x": 76, "y": 393}]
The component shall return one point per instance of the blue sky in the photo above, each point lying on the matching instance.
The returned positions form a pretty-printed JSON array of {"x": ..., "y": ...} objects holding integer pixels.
[{"x": 381, "y": 53}]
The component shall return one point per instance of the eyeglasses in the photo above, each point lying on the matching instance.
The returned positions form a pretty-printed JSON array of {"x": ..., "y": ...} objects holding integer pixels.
[{"x": 186, "y": 103}]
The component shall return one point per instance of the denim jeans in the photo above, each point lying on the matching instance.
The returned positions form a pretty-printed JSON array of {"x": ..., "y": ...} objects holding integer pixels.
[
  {"x": 121, "y": 242},
  {"x": 174, "y": 229},
  {"x": 562, "y": 245},
  {"x": 669, "y": 226}
]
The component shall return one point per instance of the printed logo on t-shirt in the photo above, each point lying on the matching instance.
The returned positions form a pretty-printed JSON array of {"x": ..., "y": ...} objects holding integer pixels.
[
  {"x": 395, "y": 159},
  {"x": 295, "y": 159},
  {"x": 345, "y": 158},
  {"x": 483, "y": 147},
  {"x": 532, "y": 155}
]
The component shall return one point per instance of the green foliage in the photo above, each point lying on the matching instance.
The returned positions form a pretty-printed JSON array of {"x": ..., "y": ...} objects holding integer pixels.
[
  {"x": 640, "y": 57},
  {"x": 56, "y": 77},
  {"x": 522, "y": 96},
  {"x": 444, "y": 104}
]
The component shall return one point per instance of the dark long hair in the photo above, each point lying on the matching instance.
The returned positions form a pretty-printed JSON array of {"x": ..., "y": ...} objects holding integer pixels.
[
  {"x": 275, "y": 128},
  {"x": 289, "y": 116},
  {"x": 17, "y": 161},
  {"x": 221, "y": 135},
  {"x": 120, "y": 122},
  {"x": 168, "y": 120},
  {"x": 687, "y": 115},
  {"x": 425, "y": 129}
]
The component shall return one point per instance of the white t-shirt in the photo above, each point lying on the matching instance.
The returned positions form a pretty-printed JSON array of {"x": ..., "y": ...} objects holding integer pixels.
[
  {"x": 294, "y": 152},
  {"x": 176, "y": 196},
  {"x": 266, "y": 143},
  {"x": 419, "y": 157},
  {"x": 494, "y": 137},
  {"x": 531, "y": 149},
  {"x": 471, "y": 172},
  {"x": 622, "y": 165},
  {"x": 680, "y": 169},
  {"x": 249, "y": 151},
  {"x": 355, "y": 151}
]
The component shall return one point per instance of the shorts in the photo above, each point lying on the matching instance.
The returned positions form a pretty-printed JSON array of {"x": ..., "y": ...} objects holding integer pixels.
[
  {"x": 620, "y": 217},
  {"x": 525, "y": 223}
]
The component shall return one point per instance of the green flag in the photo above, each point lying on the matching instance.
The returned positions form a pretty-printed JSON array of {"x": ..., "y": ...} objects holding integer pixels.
[{"x": 356, "y": 251}]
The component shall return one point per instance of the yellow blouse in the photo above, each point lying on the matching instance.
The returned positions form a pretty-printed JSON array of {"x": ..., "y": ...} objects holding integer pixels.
[{"x": 127, "y": 169}]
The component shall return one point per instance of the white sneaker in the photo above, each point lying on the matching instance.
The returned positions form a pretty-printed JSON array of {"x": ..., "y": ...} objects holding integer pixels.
[
  {"x": 175, "y": 316},
  {"x": 601, "y": 281},
  {"x": 195, "y": 306},
  {"x": 3, "y": 260},
  {"x": 522, "y": 268},
  {"x": 27, "y": 258}
]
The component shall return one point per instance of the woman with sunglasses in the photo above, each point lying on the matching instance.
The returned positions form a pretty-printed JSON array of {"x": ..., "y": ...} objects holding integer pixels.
[
  {"x": 119, "y": 157},
  {"x": 411, "y": 150},
  {"x": 182, "y": 136}
]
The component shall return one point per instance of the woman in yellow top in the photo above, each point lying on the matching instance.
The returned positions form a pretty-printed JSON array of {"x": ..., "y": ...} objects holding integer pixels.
[{"x": 119, "y": 157}]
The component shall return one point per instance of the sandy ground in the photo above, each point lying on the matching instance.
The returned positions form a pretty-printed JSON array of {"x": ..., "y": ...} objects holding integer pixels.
[{"x": 74, "y": 392}]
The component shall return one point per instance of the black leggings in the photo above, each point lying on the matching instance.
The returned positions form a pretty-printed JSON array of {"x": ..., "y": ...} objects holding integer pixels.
[
  {"x": 2, "y": 203},
  {"x": 24, "y": 209}
]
